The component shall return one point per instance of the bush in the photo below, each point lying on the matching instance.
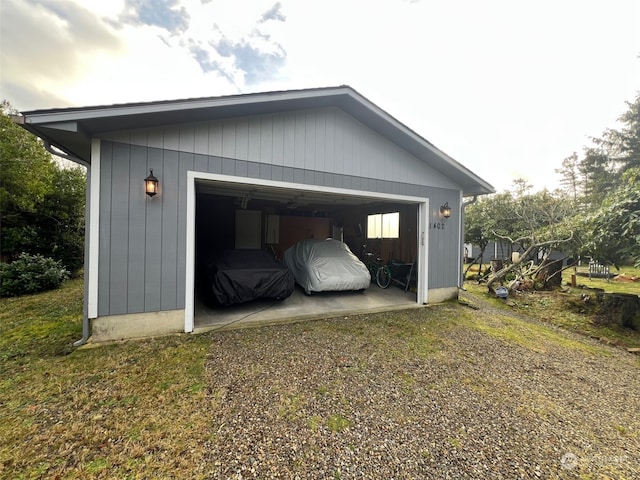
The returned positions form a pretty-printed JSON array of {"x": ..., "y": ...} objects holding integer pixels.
[{"x": 30, "y": 274}]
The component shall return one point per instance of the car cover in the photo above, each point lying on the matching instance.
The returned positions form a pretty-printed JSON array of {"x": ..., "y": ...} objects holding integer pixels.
[
  {"x": 239, "y": 276},
  {"x": 326, "y": 265}
]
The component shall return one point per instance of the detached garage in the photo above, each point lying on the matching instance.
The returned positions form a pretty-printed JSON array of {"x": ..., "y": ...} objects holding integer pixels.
[{"x": 257, "y": 172}]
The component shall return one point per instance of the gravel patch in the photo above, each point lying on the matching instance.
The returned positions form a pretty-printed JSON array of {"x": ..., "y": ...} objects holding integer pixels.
[{"x": 422, "y": 393}]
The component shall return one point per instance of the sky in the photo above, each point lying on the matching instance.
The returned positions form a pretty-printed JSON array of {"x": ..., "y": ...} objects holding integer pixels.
[{"x": 508, "y": 88}]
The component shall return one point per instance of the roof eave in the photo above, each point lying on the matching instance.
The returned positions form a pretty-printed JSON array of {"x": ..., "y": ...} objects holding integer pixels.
[{"x": 57, "y": 125}]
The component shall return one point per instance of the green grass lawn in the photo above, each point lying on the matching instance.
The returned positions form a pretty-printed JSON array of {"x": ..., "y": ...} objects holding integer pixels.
[
  {"x": 567, "y": 309},
  {"x": 136, "y": 405},
  {"x": 611, "y": 286}
]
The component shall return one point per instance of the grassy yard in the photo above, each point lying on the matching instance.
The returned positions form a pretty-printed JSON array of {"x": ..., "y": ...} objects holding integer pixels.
[
  {"x": 567, "y": 309},
  {"x": 610, "y": 285},
  {"x": 140, "y": 409},
  {"x": 79, "y": 413}
]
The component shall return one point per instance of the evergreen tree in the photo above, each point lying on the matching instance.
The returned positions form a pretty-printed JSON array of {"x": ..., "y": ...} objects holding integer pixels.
[{"x": 570, "y": 176}]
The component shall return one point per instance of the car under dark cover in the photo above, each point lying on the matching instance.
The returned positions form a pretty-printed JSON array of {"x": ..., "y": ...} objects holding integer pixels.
[{"x": 239, "y": 276}]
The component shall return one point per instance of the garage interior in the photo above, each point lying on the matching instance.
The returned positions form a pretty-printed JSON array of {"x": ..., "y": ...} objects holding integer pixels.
[{"x": 241, "y": 216}]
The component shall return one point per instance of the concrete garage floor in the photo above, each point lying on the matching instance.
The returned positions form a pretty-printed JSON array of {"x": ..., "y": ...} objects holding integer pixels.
[{"x": 299, "y": 307}]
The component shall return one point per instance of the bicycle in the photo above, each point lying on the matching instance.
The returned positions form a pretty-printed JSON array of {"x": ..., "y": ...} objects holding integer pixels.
[{"x": 378, "y": 270}]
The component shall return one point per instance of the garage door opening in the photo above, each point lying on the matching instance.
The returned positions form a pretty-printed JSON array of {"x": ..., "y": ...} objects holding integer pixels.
[{"x": 229, "y": 215}]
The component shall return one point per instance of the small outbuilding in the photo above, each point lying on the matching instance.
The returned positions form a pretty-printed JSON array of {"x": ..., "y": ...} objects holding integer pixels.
[{"x": 255, "y": 171}]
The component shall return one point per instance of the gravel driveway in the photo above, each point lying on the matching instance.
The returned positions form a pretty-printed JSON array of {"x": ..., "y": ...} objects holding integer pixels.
[{"x": 439, "y": 392}]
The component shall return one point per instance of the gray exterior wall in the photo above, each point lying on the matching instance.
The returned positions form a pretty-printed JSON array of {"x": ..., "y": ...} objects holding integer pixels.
[
  {"x": 143, "y": 241},
  {"x": 504, "y": 250},
  {"x": 320, "y": 140}
]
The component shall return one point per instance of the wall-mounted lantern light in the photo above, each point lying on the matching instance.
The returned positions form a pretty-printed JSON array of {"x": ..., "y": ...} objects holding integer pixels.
[
  {"x": 151, "y": 184},
  {"x": 445, "y": 210}
]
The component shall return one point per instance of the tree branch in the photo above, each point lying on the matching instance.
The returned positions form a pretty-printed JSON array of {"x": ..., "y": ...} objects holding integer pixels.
[{"x": 501, "y": 274}]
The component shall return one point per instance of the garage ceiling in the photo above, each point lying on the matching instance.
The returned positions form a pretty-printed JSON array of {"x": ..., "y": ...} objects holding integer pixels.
[{"x": 288, "y": 197}]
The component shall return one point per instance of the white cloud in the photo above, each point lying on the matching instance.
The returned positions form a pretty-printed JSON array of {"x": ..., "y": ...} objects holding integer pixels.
[
  {"x": 102, "y": 8},
  {"x": 507, "y": 88},
  {"x": 150, "y": 70},
  {"x": 166, "y": 14},
  {"x": 240, "y": 47},
  {"x": 40, "y": 45}
]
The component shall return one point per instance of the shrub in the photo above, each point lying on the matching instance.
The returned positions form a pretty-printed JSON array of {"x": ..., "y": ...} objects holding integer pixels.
[{"x": 30, "y": 274}]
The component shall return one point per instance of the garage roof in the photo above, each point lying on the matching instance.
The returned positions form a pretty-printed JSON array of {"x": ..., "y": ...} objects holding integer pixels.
[{"x": 71, "y": 129}]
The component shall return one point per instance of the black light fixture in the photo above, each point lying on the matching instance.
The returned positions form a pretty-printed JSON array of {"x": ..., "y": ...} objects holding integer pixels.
[
  {"x": 151, "y": 184},
  {"x": 445, "y": 210}
]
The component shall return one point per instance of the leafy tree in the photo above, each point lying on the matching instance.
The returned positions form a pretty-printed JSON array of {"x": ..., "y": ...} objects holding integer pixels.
[
  {"x": 613, "y": 231},
  {"x": 475, "y": 229},
  {"x": 25, "y": 178},
  {"x": 615, "y": 152},
  {"x": 599, "y": 175},
  {"x": 623, "y": 145},
  {"x": 521, "y": 187},
  {"x": 527, "y": 215},
  {"x": 61, "y": 218},
  {"x": 41, "y": 203},
  {"x": 500, "y": 213},
  {"x": 604, "y": 221},
  {"x": 534, "y": 223},
  {"x": 597, "y": 214},
  {"x": 629, "y": 136}
]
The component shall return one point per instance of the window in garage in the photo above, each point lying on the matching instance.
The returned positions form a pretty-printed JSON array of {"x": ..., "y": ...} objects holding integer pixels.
[{"x": 383, "y": 225}]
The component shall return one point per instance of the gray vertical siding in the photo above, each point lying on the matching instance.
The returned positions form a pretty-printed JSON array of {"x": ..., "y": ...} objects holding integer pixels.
[
  {"x": 104, "y": 229},
  {"x": 319, "y": 140},
  {"x": 169, "y": 234},
  {"x": 444, "y": 247},
  {"x": 137, "y": 234},
  {"x": 141, "y": 254},
  {"x": 185, "y": 163},
  {"x": 120, "y": 211},
  {"x": 152, "y": 287},
  {"x": 143, "y": 240}
]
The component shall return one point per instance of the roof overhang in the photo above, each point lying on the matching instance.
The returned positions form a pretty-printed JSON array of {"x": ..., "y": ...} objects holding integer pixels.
[{"x": 71, "y": 129}]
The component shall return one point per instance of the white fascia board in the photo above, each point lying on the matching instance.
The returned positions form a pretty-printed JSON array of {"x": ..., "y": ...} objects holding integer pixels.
[
  {"x": 189, "y": 296},
  {"x": 94, "y": 230},
  {"x": 67, "y": 126},
  {"x": 461, "y": 221},
  {"x": 423, "y": 253},
  {"x": 417, "y": 139},
  {"x": 64, "y": 115}
]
